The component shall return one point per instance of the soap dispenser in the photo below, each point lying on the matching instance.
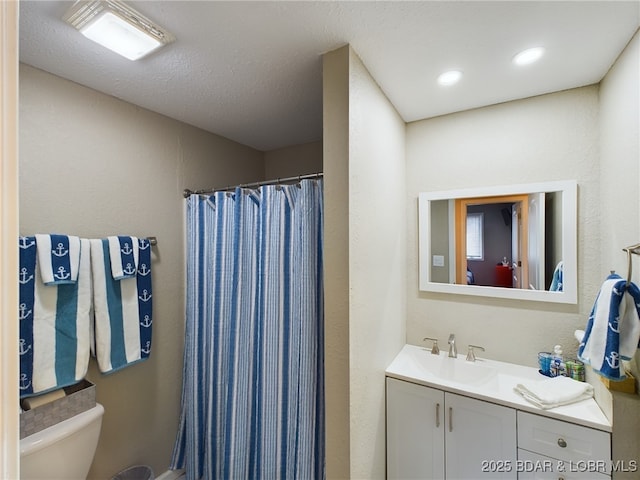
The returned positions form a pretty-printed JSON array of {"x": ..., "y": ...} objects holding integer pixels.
[{"x": 557, "y": 362}]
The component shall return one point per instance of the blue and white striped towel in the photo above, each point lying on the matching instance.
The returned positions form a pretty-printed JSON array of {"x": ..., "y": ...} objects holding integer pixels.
[
  {"x": 613, "y": 329},
  {"x": 122, "y": 309},
  {"x": 58, "y": 258},
  {"x": 558, "y": 278},
  {"x": 123, "y": 252},
  {"x": 54, "y": 324}
]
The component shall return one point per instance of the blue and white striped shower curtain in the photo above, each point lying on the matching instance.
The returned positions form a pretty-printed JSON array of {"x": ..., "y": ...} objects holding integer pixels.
[{"x": 253, "y": 387}]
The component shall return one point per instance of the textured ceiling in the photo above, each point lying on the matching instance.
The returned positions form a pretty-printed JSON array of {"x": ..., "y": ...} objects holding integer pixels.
[{"x": 252, "y": 71}]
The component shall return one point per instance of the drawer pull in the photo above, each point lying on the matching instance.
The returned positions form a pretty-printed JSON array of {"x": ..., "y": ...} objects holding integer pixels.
[{"x": 562, "y": 443}]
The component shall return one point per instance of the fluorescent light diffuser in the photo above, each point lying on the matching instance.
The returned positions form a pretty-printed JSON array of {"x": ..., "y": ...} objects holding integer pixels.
[
  {"x": 449, "y": 78},
  {"x": 528, "y": 56},
  {"x": 117, "y": 27}
]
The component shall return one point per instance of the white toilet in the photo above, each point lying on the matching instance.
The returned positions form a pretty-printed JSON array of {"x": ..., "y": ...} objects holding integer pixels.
[{"x": 63, "y": 451}]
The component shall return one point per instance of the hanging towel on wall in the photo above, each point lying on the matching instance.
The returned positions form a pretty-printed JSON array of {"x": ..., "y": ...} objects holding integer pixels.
[
  {"x": 613, "y": 329},
  {"x": 123, "y": 253},
  {"x": 54, "y": 322},
  {"x": 58, "y": 258},
  {"x": 557, "y": 280},
  {"x": 122, "y": 309}
]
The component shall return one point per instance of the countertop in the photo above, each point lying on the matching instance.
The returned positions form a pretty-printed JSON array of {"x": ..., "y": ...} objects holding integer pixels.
[{"x": 411, "y": 364}]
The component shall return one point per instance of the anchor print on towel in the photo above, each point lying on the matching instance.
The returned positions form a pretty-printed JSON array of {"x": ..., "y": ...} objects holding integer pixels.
[
  {"x": 25, "y": 383},
  {"x": 25, "y": 243},
  {"x": 614, "y": 326},
  {"x": 126, "y": 249},
  {"x": 146, "y": 321},
  {"x": 143, "y": 244},
  {"x": 146, "y": 296},
  {"x": 60, "y": 251},
  {"x": 62, "y": 273},
  {"x": 147, "y": 348},
  {"x": 613, "y": 359},
  {"x": 24, "y": 276},
  {"x": 144, "y": 270},
  {"x": 129, "y": 270},
  {"x": 23, "y": 313},
  {"x": 24, "y": 347}
]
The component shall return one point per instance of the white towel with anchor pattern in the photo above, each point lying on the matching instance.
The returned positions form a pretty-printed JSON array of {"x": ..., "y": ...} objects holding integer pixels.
[
  {"x": 613, "y": 329},
  {"x": 123, "y": 253},
  {"x": 54, "y": 320},
  {"x": 122, "y": 308},
  {"x": 58, "y": 258}
]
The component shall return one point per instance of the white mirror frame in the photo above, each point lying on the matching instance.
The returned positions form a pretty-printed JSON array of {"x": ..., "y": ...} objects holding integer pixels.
[{"x": 569, "y": 191}]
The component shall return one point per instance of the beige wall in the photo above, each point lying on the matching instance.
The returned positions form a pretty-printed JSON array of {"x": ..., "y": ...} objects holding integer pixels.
[
  {"x": 93, "y": 166},
  {"x": 335, "y": 124},
  {"x": 365, "y": 245},
  {"x": 292, "y": 161},
  {"x": 9, "y": 368},
  {"x": 550, "y": 137}
]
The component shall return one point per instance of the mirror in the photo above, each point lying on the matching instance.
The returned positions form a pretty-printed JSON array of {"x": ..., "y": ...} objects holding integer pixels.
[{"x": 513, "y": 241}]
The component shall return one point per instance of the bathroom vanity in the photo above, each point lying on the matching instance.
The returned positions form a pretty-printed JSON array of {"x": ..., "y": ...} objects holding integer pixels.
[{"x": 452, "y": 419}]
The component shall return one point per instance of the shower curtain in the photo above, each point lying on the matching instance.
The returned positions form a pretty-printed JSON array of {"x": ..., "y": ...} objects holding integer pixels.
[{"x": 253, "y": 385}]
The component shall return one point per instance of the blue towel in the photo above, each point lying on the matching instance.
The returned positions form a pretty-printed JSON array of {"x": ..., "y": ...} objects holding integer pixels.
[
  {"x": 557, "y": 281},
  {"x": 54, "y": 323},
  {"x": 122, "y": 308},
  {"x": 123, "y": 253},
  {"x": 612, "y": 333},
  {"x": 59, "y": 258}
]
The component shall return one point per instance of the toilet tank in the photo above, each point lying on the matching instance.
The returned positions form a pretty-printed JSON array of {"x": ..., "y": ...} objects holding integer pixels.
[{"x": 63, "y": 451}]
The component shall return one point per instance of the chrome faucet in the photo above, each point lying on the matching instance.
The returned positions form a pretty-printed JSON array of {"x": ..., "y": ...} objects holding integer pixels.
[
  {"x": 471, "y": 356},
  {"x": 434, "y": 349},
  {"x": 453, "y": 351}
]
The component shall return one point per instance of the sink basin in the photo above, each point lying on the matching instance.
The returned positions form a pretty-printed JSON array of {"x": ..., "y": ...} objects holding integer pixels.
[
  {"x": 460, "y": 371},
  {"x": 453, "y": 370}
]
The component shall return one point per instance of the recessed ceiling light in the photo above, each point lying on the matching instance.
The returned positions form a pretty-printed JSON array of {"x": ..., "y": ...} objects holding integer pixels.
[
  {"x": 450, "y": 77},
  {"x": 528, "y": 56},
  {"x": 117, "y": 27}
]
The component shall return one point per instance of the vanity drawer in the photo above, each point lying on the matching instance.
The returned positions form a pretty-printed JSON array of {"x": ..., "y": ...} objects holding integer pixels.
[
  {"x": 531, "y": 466},
  {"x": 562, "y": 440}
]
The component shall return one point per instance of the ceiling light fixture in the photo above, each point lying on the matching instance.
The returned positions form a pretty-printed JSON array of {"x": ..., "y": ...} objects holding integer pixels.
[
  {"x": 528, "y": 56},
  {"x": 449, "y": 78},
  {"x": 117, "y": 27}
]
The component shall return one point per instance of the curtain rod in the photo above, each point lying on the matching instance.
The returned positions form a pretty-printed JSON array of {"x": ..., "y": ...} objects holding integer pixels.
[{"x": 186, "y": 193}]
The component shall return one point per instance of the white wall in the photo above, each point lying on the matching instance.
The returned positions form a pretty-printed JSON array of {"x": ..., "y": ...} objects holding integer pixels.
[
  {"x": 620, "y": 224},
  {"x": 620, "y": 160},
  {"x": 93, "y": 166},
  {"x": 377, "y": 261},
  {"x": 551, "y": 137}
]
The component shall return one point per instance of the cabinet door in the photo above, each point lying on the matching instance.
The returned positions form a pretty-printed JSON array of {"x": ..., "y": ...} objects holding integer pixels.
[
  {"x": 480, "y": 439},
  {"x": 415, "y": 431}
]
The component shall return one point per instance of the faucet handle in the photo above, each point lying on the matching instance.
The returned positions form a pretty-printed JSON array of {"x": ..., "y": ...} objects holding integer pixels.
[
  {"x": 471, "y": 356},
  {"x": 435, "y": 350}
]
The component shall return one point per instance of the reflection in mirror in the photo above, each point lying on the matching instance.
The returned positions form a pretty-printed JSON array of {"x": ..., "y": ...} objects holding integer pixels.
[{"x": 515, "y": 241}]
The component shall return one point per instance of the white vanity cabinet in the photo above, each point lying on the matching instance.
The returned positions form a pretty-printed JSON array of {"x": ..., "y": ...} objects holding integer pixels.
[
  {"x": 553, "y": 449},
  {"x": 432, "y": 433},
  {"x": 448, "y": 418}
]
